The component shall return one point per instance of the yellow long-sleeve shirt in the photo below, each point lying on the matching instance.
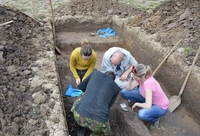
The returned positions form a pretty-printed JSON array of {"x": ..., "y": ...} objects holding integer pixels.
[{"x": 76, "y": 62}]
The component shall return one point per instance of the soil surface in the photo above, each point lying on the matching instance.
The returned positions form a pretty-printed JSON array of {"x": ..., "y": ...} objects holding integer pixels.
[
  {"x": 26, "y": 40},
  {"x": 172, "y": 20},
  {"x": 30, "y": 103},
  {"x": 19, "y": 56}
]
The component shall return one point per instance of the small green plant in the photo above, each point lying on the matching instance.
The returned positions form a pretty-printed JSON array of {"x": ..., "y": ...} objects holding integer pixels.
[
  {"x": 23, "y": 9},
  {"x": 154, "y": 4},
  {"x": 128, "y": 20},
  {"x": 187, "y": 50},
  {"x": 41, "y": 16}
]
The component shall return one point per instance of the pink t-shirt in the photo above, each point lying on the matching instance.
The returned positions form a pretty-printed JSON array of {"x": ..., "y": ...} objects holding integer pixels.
[{"x": 158, "y": 97}]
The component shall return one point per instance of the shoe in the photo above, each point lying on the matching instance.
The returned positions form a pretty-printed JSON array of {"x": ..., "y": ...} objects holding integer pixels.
[
  {"x": 130, "y": 103},
  {"x": 155, "y": 125},
  {"x": 81, "y": 131}
]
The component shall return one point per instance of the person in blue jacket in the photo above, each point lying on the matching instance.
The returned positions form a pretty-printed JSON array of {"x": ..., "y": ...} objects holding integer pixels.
[{"x": 91, "y": 110}]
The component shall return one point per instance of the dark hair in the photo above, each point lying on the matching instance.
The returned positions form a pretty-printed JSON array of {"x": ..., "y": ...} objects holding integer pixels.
[
  {"x": 110, "y": 74},
  {"x": 86, "y": 49}
]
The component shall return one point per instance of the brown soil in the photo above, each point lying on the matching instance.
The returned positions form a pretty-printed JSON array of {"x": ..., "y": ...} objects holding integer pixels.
[
  {"x": 172, "y": 20},
  {"x": 25, "y": 41},
  {"x": 21, "y": 50}
]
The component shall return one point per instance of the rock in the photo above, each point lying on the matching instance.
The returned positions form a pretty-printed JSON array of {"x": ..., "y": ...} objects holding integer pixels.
[
  {"x": 1, "y": 113},
  {"x": 186, "y": 14},
  {"x": 48, "y": 85},
  {"x": 11, "y": 69},
  {"x": 171, "y": 26},
  {"x": 51, "y": 103},
  {"x": 22, "y": 88},
  {"x": 55, "y": 119},
  {"x": 2, "y": 122},
  {"x": 32, "y": 122},
  {"x": 43, "y": 111},
  {"x": 2, "y": 60},
  {"x": 27, "y": 72},
  {"x": 14, "y": 128},
  {"x": 39, "y": 98}
]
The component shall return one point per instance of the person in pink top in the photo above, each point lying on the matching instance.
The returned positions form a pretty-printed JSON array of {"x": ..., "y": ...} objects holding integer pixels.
[{"x": 146, "y": 93}]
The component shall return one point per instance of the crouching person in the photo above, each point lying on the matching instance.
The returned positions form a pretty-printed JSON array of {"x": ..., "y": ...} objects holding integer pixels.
[
  {"x": 149, "y": 96},
  {"x": 92, "y": 109}
]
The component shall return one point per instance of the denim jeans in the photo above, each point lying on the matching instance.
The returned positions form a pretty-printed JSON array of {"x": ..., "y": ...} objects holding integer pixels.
[
  {"x": 150, "y": 115},
  {"x": 132, "y": 95}
]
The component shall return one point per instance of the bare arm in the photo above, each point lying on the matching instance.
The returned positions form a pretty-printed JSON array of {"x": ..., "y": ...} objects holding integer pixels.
[
  {"x": 132, "y": 62},
  {"x": 131, "y": 83},
  {"x": 148, "y": 100},
  {"x": 125, "y": 74}
]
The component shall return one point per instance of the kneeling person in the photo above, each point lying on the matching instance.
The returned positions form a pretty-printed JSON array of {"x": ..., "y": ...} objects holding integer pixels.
[{"x": 92, "y": 109}]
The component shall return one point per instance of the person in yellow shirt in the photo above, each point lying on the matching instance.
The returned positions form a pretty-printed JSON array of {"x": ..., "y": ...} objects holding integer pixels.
[{"x": 82, "y": 61}]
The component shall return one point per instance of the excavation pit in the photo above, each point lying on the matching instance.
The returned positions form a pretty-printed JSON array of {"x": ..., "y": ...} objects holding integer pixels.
[
  {"x": 143, "y": 48},
  {"x": 29, "y": 72}
]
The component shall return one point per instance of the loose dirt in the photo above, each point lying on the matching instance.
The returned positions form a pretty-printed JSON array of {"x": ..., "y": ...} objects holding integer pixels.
[{"x": 173, "y": 20}]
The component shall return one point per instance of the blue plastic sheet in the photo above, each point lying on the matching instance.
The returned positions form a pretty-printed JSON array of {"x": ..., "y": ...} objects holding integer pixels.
[
  {"x": 73, "y": 92},
  {"x": 106, "y": 32}
]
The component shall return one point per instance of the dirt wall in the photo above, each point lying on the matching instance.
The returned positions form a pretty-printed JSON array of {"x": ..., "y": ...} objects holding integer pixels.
[{"x": 172, "y": 73}]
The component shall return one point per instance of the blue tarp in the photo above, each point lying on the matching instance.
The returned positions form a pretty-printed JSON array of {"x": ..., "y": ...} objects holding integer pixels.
[
  {"x": 72, "y": 92},
  {"x": 106, "y": 32}
]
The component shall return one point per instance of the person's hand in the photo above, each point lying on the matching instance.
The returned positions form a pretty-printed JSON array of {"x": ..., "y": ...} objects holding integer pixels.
[
  {"x": 78, "y": 81},
  {"x": 132, "y": 75},
  {"x": 123, "y": 77},
  {"x": 134, "y": 105}
]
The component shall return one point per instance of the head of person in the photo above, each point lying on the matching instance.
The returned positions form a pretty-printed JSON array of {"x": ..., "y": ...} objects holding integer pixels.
[
  {"x": 141, "y": 72},
  {"x": 110, "y": 74},
  {"x": 86, "y": 50},
  {"x": 117, "y": 57}
]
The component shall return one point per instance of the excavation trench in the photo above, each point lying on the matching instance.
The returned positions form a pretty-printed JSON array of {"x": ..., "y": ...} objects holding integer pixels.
[{"x": 69, "y": 33}]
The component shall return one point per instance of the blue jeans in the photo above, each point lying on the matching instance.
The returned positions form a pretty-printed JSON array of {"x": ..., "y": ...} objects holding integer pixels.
[{"x": 150, "y": 115}]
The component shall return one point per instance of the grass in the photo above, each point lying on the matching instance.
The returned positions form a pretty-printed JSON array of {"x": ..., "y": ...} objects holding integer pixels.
[
  {"x": 37, "y": 8},
  {"x": 144, "y": 4},
  {"x": 187, "y": 50}
]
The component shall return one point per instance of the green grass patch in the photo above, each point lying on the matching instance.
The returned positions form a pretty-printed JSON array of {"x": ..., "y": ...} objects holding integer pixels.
[
  {"x": 144, "y": 4},
  {"x": 187, "y": 50}
]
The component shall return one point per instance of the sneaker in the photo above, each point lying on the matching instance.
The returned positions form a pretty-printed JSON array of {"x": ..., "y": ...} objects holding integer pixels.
[{"x": 155, "y": 125}]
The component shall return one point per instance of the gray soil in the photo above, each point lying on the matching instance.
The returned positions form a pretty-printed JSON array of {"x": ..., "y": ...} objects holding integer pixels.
[{"x": 29, "y": 104}]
